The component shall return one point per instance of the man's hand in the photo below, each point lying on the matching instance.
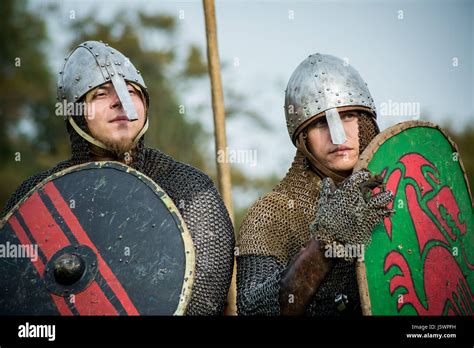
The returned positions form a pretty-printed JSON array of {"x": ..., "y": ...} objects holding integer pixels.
[{"x": 349, "y": 213}]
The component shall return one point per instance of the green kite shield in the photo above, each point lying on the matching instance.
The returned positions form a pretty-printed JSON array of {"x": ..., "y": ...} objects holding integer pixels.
[
  {"x": 95, "y": 239},
  {"x": 421, "y": 260}
]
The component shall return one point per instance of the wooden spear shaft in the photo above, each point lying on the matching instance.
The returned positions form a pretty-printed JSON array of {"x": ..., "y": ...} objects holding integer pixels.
[{"x": 223, "y": 167}]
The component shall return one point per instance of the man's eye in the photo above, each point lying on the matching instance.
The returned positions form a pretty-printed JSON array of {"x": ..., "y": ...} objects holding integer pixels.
[
  {"x": 100, "y": 94},
  {"x": 131, "y": 91},
  {"x": 321, "y": 123},
  {"x": 349, "y": 117}
]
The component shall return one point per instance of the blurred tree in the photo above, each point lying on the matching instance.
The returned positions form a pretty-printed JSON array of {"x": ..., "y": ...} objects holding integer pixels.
[
  {"x": 195, "y": 66},
  {"x": 30, "y": 139}
]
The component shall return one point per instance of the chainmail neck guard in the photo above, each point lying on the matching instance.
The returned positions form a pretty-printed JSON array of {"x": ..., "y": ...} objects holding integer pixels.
[{"x": 277, "y": 224}]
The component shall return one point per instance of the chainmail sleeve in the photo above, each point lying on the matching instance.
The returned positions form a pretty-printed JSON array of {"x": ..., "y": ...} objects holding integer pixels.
[
  {"x": 258, "y": 285},
  {"x": 261, "y": 256},
  {"x": 213, "y": 237}
]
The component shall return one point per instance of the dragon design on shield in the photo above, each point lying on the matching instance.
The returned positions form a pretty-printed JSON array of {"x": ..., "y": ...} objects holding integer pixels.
[{"x": 438, "y": 225}]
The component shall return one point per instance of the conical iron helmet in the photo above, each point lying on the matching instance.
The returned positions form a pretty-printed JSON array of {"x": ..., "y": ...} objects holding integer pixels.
[
  {"x": 320, "y": 86},
  {"x": 94, "y": 63}
]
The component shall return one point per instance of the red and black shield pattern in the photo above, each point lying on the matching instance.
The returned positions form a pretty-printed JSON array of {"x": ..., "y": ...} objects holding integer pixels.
[{"x": 103, "y": 239}]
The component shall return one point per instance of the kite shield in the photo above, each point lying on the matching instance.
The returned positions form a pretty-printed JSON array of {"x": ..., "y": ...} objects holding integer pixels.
[{"x": 421, "y": 260}]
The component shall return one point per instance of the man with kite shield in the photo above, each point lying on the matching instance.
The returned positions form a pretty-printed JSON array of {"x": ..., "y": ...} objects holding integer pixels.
[{"x": 299, "y": 243}]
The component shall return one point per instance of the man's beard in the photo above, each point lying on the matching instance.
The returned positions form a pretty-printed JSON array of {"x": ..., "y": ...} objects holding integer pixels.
[{"x": 121, "y": 149}]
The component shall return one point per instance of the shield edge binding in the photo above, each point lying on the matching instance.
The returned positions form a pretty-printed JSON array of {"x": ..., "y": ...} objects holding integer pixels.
[{"x": 189, "y": 272}]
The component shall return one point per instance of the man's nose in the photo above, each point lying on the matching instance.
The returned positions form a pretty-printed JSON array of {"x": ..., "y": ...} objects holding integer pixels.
[{"x": 116, "y": 103}]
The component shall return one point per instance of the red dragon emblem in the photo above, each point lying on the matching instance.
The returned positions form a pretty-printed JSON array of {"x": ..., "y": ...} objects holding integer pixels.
[{"x": 441, "y": 288}]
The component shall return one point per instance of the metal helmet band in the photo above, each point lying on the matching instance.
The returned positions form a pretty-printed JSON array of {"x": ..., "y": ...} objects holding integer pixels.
[{"x": 320, "y": 86}]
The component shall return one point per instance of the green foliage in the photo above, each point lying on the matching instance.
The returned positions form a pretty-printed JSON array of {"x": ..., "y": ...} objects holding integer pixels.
[{"x": 27, "y": 98}]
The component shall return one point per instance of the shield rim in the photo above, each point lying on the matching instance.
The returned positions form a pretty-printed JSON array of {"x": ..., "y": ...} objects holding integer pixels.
[
  {"x": 363, "y": 162},
  {"x": 189, "y": 250}
]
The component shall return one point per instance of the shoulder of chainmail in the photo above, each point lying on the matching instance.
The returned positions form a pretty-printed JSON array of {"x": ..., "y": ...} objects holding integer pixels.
[
  {"x": 277, "y": 224},
  {"x": 208, "y": 222}
]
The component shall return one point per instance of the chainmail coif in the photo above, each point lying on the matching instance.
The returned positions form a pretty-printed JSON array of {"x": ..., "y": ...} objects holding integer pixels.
[
  {"x": 274, "y": 230},
  {"x": 198, "y": 201}
]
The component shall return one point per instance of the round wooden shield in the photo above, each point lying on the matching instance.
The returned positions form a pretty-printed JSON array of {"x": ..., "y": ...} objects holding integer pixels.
[
  {"x": 421, "y": 260},
  {"x": 95, "y": 239}
]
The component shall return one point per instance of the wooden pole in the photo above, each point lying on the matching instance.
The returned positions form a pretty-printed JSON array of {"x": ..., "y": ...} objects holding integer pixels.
[
  {"x": 223, "y": 167},
  {"x": 363, "y": 288}
]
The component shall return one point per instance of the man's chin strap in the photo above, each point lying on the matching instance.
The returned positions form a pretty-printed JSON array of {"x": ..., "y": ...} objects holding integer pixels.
[
  {"x": 100, "y": 144},
  {"x": 316, "y": 165}
]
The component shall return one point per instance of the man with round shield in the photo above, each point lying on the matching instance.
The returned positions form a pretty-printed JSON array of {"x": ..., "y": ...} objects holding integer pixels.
[{"x": 113, "y": 101}]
